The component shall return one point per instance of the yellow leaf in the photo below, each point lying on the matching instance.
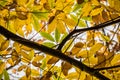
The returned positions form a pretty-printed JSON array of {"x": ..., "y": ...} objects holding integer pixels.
[
  {"x": 70, "y": 22},
  {"x": 86, "y": 9},
  {"x": 26, "y": 48},
  {"x": 95, "y": 48},
  {"x": 82, "y": 54},
  {"x": 24, "y": 78},
  {"x": 52, "y": 26},
  {"x": 4, "y": 45},
  {"x": 25, "y": 55},
  {"x": 35, "y": 72},
  {"x": 61, "y": 26},
  {"x": 10, "y": 61},
  {"x": 95, "y": 2},
  {"x": 23, "y": 2},
  {"x": 38, "y": 58},
  {"x": 20, "y": 32},
  {"x": 73, "y": 75},
  {"x": 77, "y": 47},
  {"x": 96, "y": 11},
  {"x": 31, "y": 54},
  {"x": 28, "y": 72},
  {"x": 17, "y": 47},
  {"x": 20, "y": 68},
  {"x": 115, "y": 59},
  {"x": 2, "y": 67}
]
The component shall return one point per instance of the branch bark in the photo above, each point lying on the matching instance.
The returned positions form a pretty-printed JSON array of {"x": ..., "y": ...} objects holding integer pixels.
[
  {"x": 52, "y": 52},
  {"x": 105, "y": 24}
]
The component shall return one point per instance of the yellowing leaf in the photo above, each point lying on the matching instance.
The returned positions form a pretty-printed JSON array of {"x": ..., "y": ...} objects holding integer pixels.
[
  {"x": 35, "y": 72},
  {"x": 36, "y": 64},
  {"x": 10, "y": 61},
  {"x": 46, "y": 76},
  {"x": 86, "y": 9},
  {"x": 61, "y": 26},
  {"x": 23, "y": 2},
  {"x": 52, "y": 26},
  {"x": 4, "y": 44},
  {"x": 70, "y": 22},
  {"x": 65, "y": 67},
  {"x": 22, "y": 67},
  {"x": 38, "y": 58},
  {"x": 28, "y": 72},
  {"x": 77, "y": 47},
  {"x": 24, "y": 78},
  {"x": 31, "y": 54},
  {"x": 25, "y": 48},
  {"x": 17, "y": 47},
  {"x": 95, "y": 48},
  {"x": 96, "y": 11},
  {"x": 25, "y": 55},
  {"x": 2, "y": 67},
  {"x": 52, "y": 60},
  {"x": 73, "y": 75},
  {"x": 95, "y": 2},
  {"x": 115, "y": 59},
  {"x": 82, "y": 54}
]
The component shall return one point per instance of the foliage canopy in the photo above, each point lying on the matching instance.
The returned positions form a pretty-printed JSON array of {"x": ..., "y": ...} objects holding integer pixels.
[{"x": 54, "y": 40}]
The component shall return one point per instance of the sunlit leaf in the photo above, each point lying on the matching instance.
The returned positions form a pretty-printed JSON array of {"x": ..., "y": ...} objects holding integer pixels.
[
  {"x": 31, "y": 54},
  {"x": 57, "y": 35},
  {"x": 28, "y": 72},
  {"x": 47, "y": 36},
  {"x": 10, "y": 61},
  {"x": 115, "y": 59},
  {"x": 4, "y": 44},
  {"x": 82, "y": 54},
  {"x": 96, "y": 11},
  {"x": 36, "y": 24},
  {"x": 77, "y": 47},
  {"x": 2, "y": 67},
  {"x": 73, "y": 75},
  {"x": 95, "y": 48},
  {"x": 48, "y": 44},
  {"x": 35, "y": 72},
  {"x": 61, "y": 27},
  {"x": 22, "y": 67},
  {"x": 38, "y": 58}
]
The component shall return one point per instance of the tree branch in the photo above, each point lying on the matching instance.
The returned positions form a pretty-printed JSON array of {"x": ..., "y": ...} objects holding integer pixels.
[
  {"x": 105, "y": 24},
  {"x": 52, "y": 52},
  {"x": 105, "y": 68}
]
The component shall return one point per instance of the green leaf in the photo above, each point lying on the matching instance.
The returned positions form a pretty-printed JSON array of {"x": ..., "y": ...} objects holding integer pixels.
[
  {"x": 49, "y": 44},
  {"x": 1, "y": 76},
  {"x": 43, "y": 66},
  {"x": 6, "y": 75},
  {"x": 63, "y": 37},
  {"x": 57, "y": 35},
  {"x": 82, "y": 23},
  {"x": 47, "y": 36},
  {"x": 36, "y": 24}
]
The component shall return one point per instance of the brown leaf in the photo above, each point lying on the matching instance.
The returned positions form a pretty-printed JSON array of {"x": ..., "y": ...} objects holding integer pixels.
[
  {"x": 36, "y": 64},
  {"x": 65, "y": 67},
  {"x": 28, "y": 72},
  {"x": 51, "y": 19},
  {"x": 46, "y": 76},
  {"x": 80, "y": 1},
  {"x": 52, "y": 60}
]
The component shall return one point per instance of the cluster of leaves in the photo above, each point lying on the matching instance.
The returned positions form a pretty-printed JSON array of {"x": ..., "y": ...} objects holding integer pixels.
[{"x": 48, "y": 22}]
